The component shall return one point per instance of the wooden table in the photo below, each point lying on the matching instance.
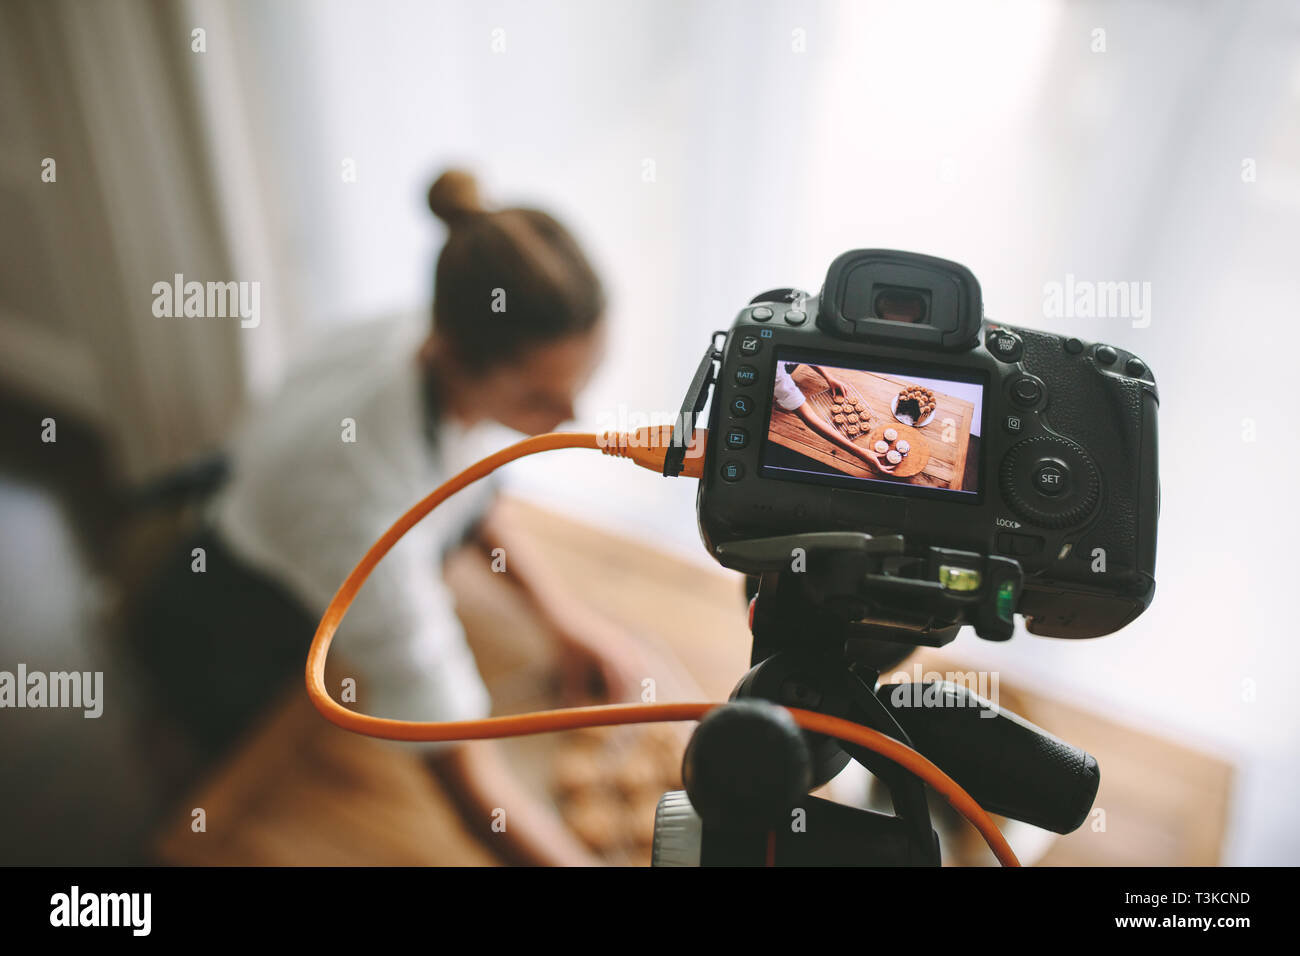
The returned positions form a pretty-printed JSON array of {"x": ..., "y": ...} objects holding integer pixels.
[
  {"x": 302, "y": 791},
  {"x": 947, "y": 433}
]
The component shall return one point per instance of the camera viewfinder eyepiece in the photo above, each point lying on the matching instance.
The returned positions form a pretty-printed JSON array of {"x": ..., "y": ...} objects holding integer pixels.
[{"x": 901, "y": 298}]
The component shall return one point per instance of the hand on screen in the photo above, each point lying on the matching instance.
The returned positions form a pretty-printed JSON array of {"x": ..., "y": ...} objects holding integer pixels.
[
  {"x": 878, "y": 461},
  {"x": 838, "y": 389}
]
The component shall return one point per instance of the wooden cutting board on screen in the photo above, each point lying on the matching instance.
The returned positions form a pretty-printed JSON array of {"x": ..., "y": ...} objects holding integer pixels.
[{"x": 947, "y": 434}]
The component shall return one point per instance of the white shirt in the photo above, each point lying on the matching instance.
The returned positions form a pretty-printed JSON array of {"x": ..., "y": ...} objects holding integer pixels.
[
  {"x": 304, "y": 504},
  {"x": 788, "y": 395}
]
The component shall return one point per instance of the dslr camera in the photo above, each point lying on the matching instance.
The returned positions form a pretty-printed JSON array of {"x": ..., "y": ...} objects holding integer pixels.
[{"x": 890, "y": 407}]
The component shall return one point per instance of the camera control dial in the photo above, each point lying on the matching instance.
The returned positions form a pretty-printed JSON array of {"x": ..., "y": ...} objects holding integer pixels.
[{"x": 1050, "y": 482}]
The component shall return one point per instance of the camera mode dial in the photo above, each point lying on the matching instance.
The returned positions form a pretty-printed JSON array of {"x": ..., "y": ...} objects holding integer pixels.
[{"x": 1050, "y": 482}]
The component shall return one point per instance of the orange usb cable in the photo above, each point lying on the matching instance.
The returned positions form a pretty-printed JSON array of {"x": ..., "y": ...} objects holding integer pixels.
[{"x": 646, "y": 447}]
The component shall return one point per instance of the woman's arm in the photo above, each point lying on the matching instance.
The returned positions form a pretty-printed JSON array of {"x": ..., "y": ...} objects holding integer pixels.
[
  {"x": 588, "y": 640},
  {"x": 488, "y": 791}
]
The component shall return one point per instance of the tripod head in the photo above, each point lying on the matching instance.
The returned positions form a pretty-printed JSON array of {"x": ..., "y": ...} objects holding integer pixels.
[
  {"x": 848, "y": 588},
  {"x": 833, "y": 611}
]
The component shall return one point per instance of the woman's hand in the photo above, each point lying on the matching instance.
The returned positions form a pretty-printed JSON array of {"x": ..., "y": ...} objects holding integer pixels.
[
  {"x": 483, "y": 783},
  {"x": 878, "y": 460},
  {"x": 873, "y": 458},
  {"x": 839, "y": 389},
  {"x": 599, "y": 661},
  {"x": 597, "y": 657}
]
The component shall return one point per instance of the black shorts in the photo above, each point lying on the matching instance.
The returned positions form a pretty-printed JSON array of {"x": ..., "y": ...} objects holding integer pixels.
[{"x": 218, "y": 647}]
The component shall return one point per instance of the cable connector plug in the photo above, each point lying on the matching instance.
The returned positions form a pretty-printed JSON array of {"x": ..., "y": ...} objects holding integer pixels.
[{"x": 648, "y": 447}]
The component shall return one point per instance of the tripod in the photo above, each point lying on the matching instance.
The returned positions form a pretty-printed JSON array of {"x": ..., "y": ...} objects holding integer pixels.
[{"x": 833, "y": 611}]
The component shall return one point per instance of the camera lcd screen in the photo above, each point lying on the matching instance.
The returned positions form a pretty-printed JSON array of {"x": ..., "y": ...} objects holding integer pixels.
[{"x": 875, "y": 426}]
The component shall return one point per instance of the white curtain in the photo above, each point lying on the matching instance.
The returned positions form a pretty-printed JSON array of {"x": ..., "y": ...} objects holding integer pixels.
[{"x": 107, "y": 174}]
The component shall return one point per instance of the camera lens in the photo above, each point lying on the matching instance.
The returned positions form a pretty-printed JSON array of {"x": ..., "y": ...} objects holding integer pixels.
[{"x": 900, "y": 305}]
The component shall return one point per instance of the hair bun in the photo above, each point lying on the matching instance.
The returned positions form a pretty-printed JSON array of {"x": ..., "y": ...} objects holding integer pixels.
[{"x": 454, "y": 196}]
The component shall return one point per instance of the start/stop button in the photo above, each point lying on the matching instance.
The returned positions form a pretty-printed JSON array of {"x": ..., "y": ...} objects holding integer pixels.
[{"x": 1051, "y": 477}]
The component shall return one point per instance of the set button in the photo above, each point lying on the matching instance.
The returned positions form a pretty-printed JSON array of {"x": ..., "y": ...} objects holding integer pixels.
[{"x": 1051, "y": 477}]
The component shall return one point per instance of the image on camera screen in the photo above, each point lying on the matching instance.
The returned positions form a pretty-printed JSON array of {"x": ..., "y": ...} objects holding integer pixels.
[{"x": 847, "y": 424}]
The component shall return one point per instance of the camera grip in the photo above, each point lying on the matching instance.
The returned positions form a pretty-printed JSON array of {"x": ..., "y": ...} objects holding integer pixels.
[{"x": 1006, "y": 763}]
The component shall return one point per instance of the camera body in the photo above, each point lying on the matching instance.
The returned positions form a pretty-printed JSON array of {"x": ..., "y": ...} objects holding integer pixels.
[{"x": 1017, "y": 442}]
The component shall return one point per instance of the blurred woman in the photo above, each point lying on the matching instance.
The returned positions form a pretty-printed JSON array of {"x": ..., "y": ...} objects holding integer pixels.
[{"x": 381, "y": 416}]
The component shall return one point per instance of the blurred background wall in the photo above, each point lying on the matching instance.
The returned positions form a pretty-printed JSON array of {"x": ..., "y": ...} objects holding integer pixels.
[{"x": 704, "y": 152}]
